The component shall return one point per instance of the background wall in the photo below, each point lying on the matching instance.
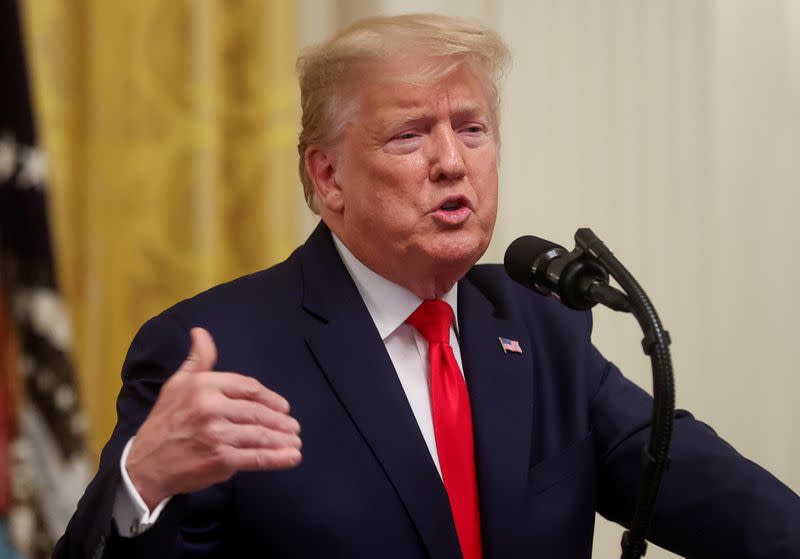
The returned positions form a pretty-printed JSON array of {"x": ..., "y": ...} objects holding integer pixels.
[{"x": 670, "y": 127}]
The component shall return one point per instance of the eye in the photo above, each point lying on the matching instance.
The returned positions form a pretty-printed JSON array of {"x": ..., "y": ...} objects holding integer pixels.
[
  {"x": 405, "y": 136},
  {"x": 473, "y": 129},
  {"x": 473, "y": 134},
  {"x": 404, "y": 142}
]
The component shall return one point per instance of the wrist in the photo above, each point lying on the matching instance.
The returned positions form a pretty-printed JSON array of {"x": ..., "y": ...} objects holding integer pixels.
[{"x": 147, "y": 485}]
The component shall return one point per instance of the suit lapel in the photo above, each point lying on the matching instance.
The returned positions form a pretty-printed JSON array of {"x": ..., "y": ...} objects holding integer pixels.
[
  {"x": 351, "y": 354},
  {"x": 501, "y": 393}
]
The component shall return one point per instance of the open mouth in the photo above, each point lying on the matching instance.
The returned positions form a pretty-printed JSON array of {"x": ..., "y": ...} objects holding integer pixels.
[
  {"x": 453, "y": 212},
  {"x": 452, "y": 206}
]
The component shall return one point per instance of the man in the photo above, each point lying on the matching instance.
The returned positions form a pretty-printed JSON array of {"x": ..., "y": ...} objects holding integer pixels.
[{"x": 423, "y": 433}]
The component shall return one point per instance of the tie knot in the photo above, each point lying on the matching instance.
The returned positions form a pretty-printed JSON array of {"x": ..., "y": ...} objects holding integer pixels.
[{"x": 432, "y": 319}]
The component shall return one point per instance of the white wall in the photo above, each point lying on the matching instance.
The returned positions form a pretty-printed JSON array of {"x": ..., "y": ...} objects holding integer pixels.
[{"x": 672, "y": 129}]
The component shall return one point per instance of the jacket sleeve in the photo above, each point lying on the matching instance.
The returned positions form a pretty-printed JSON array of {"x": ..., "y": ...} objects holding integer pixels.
[
  {"x": 713, "y": 502},
  {"x": 156, "y": 352}
]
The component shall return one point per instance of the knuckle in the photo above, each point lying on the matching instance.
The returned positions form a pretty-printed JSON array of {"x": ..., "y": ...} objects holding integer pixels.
[
  {"x": 274, "y": 420},
  {"x": 277, "y": 401},
  {"x": 261, "y": 460},
  {"x": 251, "y": 386},
  {"x": 227, "y": 463},
  {"x": 204, "y": 406},
  {"x": 214, "y": 433},
  {"x": 197, "y": 384},
  {"x": 266, "y": 438},
  {"x": 219, "y": 458},
  {"x": 184, "y": 378},
  {"x": 264, "y": 417},
  {"x": 291, "y": 425},
  {"x": 175, "y": 382}
]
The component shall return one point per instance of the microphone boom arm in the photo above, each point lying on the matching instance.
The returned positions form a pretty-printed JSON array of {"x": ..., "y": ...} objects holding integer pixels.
[{"x": 656, "y": 345}]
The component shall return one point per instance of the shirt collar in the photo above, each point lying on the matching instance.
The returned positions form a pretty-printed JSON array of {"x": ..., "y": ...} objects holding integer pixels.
[{"x": 388, "y": 303}]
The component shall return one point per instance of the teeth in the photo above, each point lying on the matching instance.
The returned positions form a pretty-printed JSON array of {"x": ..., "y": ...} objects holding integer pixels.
[{"x": 449, "y": 206}]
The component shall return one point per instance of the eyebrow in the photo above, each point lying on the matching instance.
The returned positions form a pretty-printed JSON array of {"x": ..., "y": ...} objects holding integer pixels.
[{"x": 462, "y": 112}]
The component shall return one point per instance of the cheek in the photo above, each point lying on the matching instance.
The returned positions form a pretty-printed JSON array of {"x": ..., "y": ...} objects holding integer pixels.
[
  {"x": 397, "y": 182},
  {"x": 379, "y": 201},
  {"x": 486, "y": 184}
]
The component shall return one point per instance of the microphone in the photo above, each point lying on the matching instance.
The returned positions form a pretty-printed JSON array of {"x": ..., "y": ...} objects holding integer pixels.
[{"x": 571, "y": 277}]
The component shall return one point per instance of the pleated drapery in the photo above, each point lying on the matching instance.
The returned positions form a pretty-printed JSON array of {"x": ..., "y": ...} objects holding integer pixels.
[{"x": 170, "y": 131}]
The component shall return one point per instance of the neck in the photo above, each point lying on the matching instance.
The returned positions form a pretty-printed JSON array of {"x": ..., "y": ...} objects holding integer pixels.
[
  {"x": 434, "y": 288},
  {"x": 426, "y": 282}
]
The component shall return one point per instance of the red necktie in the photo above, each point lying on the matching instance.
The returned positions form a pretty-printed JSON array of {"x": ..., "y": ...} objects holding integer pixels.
[{"x": 452, "y": 423}]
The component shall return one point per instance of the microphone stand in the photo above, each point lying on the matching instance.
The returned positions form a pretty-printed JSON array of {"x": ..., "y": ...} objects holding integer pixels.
[{"x": 656, "y": 345}]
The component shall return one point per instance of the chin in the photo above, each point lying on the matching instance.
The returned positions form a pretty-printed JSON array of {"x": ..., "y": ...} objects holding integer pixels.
[{"x": 458, "y": 255}]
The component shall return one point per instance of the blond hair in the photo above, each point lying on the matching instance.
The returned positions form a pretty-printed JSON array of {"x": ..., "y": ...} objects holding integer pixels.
[{"x": 329, "y": 72}]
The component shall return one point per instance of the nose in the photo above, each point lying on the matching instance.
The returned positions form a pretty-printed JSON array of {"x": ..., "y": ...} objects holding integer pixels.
[{"x": 446, "y": 160}]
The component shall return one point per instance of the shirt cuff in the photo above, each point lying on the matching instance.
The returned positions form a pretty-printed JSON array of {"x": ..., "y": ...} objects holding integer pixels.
[{"x": 130, "y": 514}]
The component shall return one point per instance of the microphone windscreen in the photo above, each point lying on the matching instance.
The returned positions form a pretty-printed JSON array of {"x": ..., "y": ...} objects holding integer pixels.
[{"x": 522, "y": 253}]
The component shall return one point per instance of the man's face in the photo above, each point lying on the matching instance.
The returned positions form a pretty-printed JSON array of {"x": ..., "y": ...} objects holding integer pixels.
[{"x": 417, "y": 171}]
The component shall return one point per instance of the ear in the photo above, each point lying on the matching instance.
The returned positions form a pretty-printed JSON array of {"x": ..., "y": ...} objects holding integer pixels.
[{"x": 321, "y": 168}]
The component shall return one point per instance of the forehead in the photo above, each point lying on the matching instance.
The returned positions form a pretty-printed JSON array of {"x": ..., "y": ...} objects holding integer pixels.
[{"x": 388, "y": 90}]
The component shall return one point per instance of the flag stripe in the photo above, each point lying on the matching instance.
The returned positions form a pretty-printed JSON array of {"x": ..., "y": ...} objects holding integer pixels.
[{"x": 49, "y": 466}]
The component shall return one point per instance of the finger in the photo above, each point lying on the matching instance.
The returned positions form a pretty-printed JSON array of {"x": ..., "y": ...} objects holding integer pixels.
[
  {"x": 240, "y": 387},
  {"x": 264, "y": 459},
  {"x": 255, "y": 437},
  {"x": 202, "y": 353},
  {"x": 244, "y": 412}
]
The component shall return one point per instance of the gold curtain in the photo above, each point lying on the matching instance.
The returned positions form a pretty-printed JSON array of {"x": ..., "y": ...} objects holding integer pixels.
[{"x": 170, "y": 131}]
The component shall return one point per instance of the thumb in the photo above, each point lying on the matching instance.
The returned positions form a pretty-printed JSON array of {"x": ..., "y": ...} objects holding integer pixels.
[{"x": 202, "y": 353}]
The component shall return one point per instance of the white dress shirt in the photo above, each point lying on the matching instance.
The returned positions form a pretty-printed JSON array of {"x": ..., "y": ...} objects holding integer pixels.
[{"x": 389, "y": 305}]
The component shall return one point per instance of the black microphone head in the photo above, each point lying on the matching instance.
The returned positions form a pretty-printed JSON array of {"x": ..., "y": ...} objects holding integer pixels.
[{"x": 521, "y": 256}]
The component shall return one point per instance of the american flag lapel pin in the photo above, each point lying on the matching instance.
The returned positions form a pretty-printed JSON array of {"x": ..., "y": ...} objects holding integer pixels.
[{"x": 510, "y": 345}]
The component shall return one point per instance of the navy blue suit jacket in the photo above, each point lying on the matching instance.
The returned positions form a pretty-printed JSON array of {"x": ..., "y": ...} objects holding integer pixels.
[{"x": 558, "y": 435}]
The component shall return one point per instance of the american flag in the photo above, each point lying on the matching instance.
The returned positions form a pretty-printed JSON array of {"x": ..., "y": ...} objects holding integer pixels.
[
  {"x": 510, "y": 345},
  {"x": 44, "y": 461}
]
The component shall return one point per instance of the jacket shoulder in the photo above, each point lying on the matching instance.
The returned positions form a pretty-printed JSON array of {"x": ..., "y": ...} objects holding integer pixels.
[
  {"x": 514, "y": 301},
  {"x": 262, "y": 292}
]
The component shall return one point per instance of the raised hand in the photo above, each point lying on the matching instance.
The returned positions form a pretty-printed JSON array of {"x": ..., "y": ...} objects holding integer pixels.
[{"x": 206, "y": 426}]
